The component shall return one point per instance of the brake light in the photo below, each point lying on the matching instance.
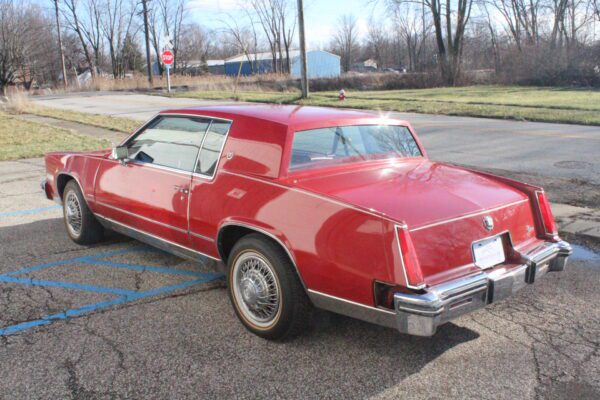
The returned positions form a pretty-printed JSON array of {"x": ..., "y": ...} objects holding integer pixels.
[
  {"x": 546, "y": 213},
  {"x": 408, "y": 258}
]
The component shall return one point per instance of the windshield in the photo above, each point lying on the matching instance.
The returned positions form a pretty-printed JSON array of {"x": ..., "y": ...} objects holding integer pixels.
[{"x": 346, "y": 144}]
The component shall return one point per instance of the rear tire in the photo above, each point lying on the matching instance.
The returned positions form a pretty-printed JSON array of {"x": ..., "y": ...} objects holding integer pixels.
[
  {"x": 265, "y": 290},
  {"x": 82, "y": 227}
]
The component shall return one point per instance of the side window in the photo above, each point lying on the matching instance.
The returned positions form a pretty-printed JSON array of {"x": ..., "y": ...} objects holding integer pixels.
[
  {"x": 211, "y": 147},
  {"x": 170, "y": 142}
]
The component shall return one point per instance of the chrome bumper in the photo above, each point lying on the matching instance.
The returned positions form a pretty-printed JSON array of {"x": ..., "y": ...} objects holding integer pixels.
[{"x": 421, "y": 314}]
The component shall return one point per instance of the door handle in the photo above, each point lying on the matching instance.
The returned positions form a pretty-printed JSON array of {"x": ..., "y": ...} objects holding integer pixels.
[{"x": 181, "y": 189}]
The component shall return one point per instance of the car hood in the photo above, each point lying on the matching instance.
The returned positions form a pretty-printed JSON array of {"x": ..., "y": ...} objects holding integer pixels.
[{"x": 417, "y": 192}]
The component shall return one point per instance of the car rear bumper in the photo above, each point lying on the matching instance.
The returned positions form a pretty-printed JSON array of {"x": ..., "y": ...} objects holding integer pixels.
[{"x": 420, "y": 314}]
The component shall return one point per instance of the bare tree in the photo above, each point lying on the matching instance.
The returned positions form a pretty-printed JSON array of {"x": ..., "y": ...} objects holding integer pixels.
[
  {"x": 376, "y": 40},
  {"x": 450, "y": 19},
  {"x": 345, "y": 40},
  {"x": 116, "y": 26},
  {"x": 413, "y": 29},
  {"x": 72, "y": 15}
]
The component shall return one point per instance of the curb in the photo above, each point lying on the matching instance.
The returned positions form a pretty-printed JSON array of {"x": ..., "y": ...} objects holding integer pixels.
[{"x": 580, "y": 221}]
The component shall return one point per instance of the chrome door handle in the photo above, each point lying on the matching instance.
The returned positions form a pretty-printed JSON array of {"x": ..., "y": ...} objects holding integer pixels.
[{"x": 182, "y": 189}]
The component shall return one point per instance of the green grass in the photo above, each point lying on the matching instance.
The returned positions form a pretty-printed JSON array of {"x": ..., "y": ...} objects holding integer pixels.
[
  {"x": 26, "y": 139},
  {"x": 565, "y": 105},
  {"x": 117, "y": 124}
]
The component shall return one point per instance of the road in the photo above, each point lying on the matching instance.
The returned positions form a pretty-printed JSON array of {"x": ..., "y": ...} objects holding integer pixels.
[
  {"x": 130, "y": 322},
  {"x": 556, "y": 150}
]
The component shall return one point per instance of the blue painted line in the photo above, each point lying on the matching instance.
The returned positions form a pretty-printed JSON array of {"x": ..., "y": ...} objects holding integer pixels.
[
  {"x": 67, "y": 285},
  {"x": 103, "y": 304},
  {"x": 28, "y": 212},
  {"x": 146, "y": 268},
  {"x": 38, "y": 267}
]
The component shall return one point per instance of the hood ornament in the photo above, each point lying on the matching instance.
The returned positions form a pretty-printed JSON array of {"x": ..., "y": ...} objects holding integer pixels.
[{"x": 488, "y": 223}]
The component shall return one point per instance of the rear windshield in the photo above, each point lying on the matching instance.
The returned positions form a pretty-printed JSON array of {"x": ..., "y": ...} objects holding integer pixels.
[{"x": 346, "y": 144}]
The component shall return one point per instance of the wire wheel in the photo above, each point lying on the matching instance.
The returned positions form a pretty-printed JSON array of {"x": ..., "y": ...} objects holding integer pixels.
[
  {"x": 73, "y": 215},
  {"x": 256, "y": 289}
]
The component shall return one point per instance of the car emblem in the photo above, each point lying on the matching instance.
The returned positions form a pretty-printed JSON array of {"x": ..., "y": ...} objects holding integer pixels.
[{"x": 488, "y": 222}]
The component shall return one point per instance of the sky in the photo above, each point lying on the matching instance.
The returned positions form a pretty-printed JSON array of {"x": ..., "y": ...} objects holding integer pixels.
[{"x": 320, "y": 15}]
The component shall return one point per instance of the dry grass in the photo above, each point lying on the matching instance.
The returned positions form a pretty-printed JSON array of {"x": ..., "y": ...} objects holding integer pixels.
[
  {"x": 203, "y": 82},
  {"x": 116, "y": 124},
  {"x": 26, "y": 139},
  {"x": 17, "y": 101},
  {"x": 563, "y": 105}
]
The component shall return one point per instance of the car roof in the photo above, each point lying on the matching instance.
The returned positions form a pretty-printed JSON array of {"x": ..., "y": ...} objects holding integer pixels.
[{"x": 295, "y": 117}]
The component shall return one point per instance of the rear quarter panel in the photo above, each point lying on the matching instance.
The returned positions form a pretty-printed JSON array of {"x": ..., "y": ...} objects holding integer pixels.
[{"x": 339, "y": 250}]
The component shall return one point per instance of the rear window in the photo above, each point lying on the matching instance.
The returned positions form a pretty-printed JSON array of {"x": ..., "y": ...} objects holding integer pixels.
[{"x": 346, "y": 144}]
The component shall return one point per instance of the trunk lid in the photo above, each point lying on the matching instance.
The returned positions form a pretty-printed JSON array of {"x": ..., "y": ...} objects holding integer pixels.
[{"x": 442, "y": 205}]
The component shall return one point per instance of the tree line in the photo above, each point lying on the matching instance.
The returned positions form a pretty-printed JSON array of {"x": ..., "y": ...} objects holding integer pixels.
[{"x": 524, "y": 41}]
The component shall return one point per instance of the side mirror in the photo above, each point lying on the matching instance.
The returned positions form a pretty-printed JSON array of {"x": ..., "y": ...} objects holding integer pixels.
[{"x": 120, "y": 153}]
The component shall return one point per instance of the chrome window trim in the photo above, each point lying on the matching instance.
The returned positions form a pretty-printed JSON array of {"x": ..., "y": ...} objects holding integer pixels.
[
  {"x": 474, "y": 214},
  {"x": 158, "y": 238},
  {"x": 127, "y": 140},
  {"x": 225, "y": 137},
  {"x": 408, "y": 285}
]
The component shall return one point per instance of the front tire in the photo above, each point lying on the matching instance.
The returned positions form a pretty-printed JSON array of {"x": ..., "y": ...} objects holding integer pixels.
[
  {"x": 82, "y": 227},
  {"x": 265, "y": 290}
]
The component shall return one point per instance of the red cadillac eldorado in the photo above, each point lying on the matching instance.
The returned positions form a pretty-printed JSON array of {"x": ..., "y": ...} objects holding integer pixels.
[{"x": 314, "y": 207}]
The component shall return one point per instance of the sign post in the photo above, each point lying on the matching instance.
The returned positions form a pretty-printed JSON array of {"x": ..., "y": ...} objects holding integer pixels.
[{"x": 167, "y": 59}]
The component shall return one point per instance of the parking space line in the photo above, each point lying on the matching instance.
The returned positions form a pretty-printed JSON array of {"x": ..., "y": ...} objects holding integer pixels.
[
  {"x": 28, "y": 212},
  {"x": 38, "y": 267},
  {"x": 66, "y": 285},
  {"x": 48, "y": 319},
  {"x": 124, "y": 295},
  {"x": 145, "y": 268}
]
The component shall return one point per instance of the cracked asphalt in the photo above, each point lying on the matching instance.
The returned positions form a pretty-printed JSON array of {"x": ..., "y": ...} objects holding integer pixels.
[{"x": 544, "y": 343}]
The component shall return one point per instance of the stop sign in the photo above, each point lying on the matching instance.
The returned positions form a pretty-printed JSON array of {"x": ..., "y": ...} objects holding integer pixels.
[{"x": 167, "y": 57}]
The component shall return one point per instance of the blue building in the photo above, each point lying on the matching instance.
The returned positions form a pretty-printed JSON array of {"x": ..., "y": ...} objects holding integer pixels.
[{"x": 321, "y": 64}]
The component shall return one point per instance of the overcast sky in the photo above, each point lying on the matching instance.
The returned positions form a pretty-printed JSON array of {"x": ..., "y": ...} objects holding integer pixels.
[{"x": 320, "y": 15}]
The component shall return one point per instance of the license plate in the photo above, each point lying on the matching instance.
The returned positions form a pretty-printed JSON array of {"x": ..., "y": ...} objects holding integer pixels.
[{"x": 488, "y": 252}]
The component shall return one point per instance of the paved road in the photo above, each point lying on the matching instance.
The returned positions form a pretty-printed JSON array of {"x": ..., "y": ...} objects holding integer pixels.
[
  {"x": 556, "y": 150},
  {"x": 130, "y": 322}
]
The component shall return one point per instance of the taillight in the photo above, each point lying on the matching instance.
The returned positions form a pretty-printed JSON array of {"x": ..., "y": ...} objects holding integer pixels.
[
  {"x": 408, "y": 258},
  {"x": 546, "y": 213}
]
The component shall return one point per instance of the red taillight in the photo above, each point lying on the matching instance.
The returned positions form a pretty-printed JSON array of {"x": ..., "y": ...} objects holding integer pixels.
[
  {"x": 410, "y": 263},
  {"x": 546, "y": 213}
]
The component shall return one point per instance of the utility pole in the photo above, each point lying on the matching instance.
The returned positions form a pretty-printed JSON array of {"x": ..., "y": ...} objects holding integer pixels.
[
  {"x": 147, "y": 38},
  {"x": 62, "y": 51},
  {"x": 303, "y": 62}
]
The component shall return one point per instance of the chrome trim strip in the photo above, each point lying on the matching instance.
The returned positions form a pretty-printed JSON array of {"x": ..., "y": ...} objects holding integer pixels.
[
  {"x": 474, "y": 214},
  {"x": 408, "y": 285},
  {"x": 226, "y": 136},
  {"x": 353, "y": 309},
  {"x": 153, "y": 240},
  {"x": 202, "y": 236},
  {"x": 311, "y": 194},
  {"x": 142, "y": 217},
  {"x": 264, "y": 232},
  {"x": 136, "y": 131},
  {"x": 155, "y": 222}
]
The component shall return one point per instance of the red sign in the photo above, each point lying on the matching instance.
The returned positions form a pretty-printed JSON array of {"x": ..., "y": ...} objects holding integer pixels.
[{"x": 167, "y": 57}]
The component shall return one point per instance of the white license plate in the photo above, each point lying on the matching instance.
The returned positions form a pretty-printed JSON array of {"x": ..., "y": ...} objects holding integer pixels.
[{"x": 488, "y": 252}]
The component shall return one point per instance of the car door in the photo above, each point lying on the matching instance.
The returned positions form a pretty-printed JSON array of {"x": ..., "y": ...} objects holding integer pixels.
[{"x": 150, "y": 192}]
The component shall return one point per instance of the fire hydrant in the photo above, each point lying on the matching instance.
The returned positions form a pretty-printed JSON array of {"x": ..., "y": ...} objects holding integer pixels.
[{"x": 342, "y": 95}]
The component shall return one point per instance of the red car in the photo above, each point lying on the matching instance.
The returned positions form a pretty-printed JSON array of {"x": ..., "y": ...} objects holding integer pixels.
[{"x": 314, "y": 207}]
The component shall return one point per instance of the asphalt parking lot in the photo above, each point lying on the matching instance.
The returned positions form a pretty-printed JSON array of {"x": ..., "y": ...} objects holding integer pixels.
[{"x": 122, "y": 320}]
